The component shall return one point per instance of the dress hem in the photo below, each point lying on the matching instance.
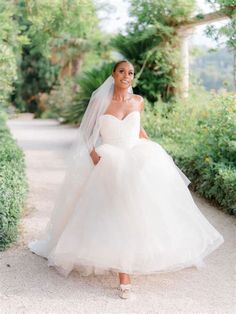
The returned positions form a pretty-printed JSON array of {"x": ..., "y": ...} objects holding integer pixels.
[{"x": 103, "y": 270}]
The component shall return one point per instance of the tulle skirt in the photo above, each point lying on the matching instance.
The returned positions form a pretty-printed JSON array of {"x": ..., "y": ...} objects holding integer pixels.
[{"x": 135, "y": 215}]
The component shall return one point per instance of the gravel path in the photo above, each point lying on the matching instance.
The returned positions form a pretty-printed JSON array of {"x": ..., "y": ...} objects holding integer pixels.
[{"x": 28, "y": 285}]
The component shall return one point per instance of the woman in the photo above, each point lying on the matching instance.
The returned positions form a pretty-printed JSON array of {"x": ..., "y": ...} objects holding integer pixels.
[{"x": 124, "y": 206}]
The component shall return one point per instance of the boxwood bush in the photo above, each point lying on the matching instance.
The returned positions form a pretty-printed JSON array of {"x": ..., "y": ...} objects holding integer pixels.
[
  {"x": 13, "y": 185},
  {"x": 200, "y": 135}
]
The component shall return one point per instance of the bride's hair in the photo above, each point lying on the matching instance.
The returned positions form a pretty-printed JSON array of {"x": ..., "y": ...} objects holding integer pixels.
[{"x": 119, "y": 62}]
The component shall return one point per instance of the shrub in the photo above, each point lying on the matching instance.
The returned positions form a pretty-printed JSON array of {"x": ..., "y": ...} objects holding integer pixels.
[
  {"x": 13, "y": 185},
  {"x": 88, "y": 82},
  {"x": 200, "y": 134},
  {"x": 54, "y": 104}
]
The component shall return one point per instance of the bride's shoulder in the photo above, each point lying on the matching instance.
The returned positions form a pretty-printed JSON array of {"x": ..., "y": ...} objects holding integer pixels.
[
  {"x": 137, "y": 97},
  {"x": 139, "y": 100}
]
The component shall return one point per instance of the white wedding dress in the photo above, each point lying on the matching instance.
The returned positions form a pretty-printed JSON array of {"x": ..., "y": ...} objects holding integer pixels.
[{"x": 135, "y": 213}]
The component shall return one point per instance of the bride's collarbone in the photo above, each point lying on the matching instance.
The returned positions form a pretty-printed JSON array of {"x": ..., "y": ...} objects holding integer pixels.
[{"x": 125, "y": 107}]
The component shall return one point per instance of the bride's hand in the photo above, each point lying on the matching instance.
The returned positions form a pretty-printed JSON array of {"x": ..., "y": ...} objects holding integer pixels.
[{"x": 95, "y": 157}]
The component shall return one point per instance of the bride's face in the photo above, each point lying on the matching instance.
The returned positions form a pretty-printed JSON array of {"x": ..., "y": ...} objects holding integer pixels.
[{"x": 123, "y": 75}]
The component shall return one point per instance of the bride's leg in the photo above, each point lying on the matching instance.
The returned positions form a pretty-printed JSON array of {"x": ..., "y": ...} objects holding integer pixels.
[{"x": 124, "y": 278}]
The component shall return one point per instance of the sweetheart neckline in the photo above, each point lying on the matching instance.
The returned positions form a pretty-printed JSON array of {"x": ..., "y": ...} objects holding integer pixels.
[{"x": 108, "y": 114}]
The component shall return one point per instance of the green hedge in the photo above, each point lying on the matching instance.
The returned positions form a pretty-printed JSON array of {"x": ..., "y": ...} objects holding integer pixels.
[
  {"x": 200, "y": 135},
  {"x": 13, "y": 185},
  {"x": 213, "y": 180}
]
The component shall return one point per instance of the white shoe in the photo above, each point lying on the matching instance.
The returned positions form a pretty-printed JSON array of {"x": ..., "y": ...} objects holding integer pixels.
[{"x": 125, "y": 291}]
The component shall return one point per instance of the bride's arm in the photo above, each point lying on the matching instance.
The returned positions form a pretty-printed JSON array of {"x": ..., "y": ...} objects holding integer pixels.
[
  {"x": 142, "y": 133},
  {"x": 95, "y": 157}
]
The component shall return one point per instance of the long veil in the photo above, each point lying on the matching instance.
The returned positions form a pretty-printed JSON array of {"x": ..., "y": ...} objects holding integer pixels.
[{"x": 79, "y": 165}]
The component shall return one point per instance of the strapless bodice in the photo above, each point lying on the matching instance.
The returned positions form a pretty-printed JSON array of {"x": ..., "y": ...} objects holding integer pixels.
[{"x": 119, "y": 132}]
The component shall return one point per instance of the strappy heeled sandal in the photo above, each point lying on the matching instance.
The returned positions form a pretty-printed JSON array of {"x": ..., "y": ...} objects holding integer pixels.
[{"x": 125, "y": 291}]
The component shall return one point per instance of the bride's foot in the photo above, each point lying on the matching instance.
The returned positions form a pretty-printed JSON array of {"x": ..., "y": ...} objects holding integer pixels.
[
  {"x": 125, "y": 291},
  {"x": 124, "y": 286}
]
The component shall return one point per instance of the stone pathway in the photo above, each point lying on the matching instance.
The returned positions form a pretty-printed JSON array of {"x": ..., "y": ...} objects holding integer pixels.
[{"x": 28, "y": 285}]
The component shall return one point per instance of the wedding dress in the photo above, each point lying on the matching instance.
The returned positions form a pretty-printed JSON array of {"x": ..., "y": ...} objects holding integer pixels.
[{"x": 135, "y": 213}]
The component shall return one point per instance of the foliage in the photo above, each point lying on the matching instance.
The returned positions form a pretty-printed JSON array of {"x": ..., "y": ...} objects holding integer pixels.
[
  {"x": 88, "y": 82},
  {"x": 10, "y": 48},
  {"x": 151, "y": 45},
  {"x": 200, "y": 134},
  {"x": 60, "y": 33},
  {"x": 229, "y": 30},
  {"x": 13, "y": 185},
  {"x": 159, "y": 13},
  {"x": 54, "y": 104},
  {"x": 36, "y": 75},
  {"x": 55, "y": 23},
  {"x": 12, "y": 169}
]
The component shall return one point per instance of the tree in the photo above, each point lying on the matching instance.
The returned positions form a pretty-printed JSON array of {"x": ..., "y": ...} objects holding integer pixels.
[
  {"x": 229, "y": 30},
  {"x": 10, "y": 50},
  {"x": 228, "y": 7},
  {"x": 60, "y": 34},
  {"x": 152, "y": 44}
]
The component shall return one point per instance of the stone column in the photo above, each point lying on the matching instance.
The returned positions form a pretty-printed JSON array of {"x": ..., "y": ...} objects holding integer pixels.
[{"x": 184, "y": 33}]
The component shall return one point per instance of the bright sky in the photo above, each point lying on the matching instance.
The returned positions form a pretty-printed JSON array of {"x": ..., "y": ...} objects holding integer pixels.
[{"x": 116, "y": 20}]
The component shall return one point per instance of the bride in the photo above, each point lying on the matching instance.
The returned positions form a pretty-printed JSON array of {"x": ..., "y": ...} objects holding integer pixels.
[{"x": 124, "y": 206}]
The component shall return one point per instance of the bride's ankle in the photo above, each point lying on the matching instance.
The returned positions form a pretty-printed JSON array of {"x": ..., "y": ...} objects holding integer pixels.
[{"x": 124, "y": 279}]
